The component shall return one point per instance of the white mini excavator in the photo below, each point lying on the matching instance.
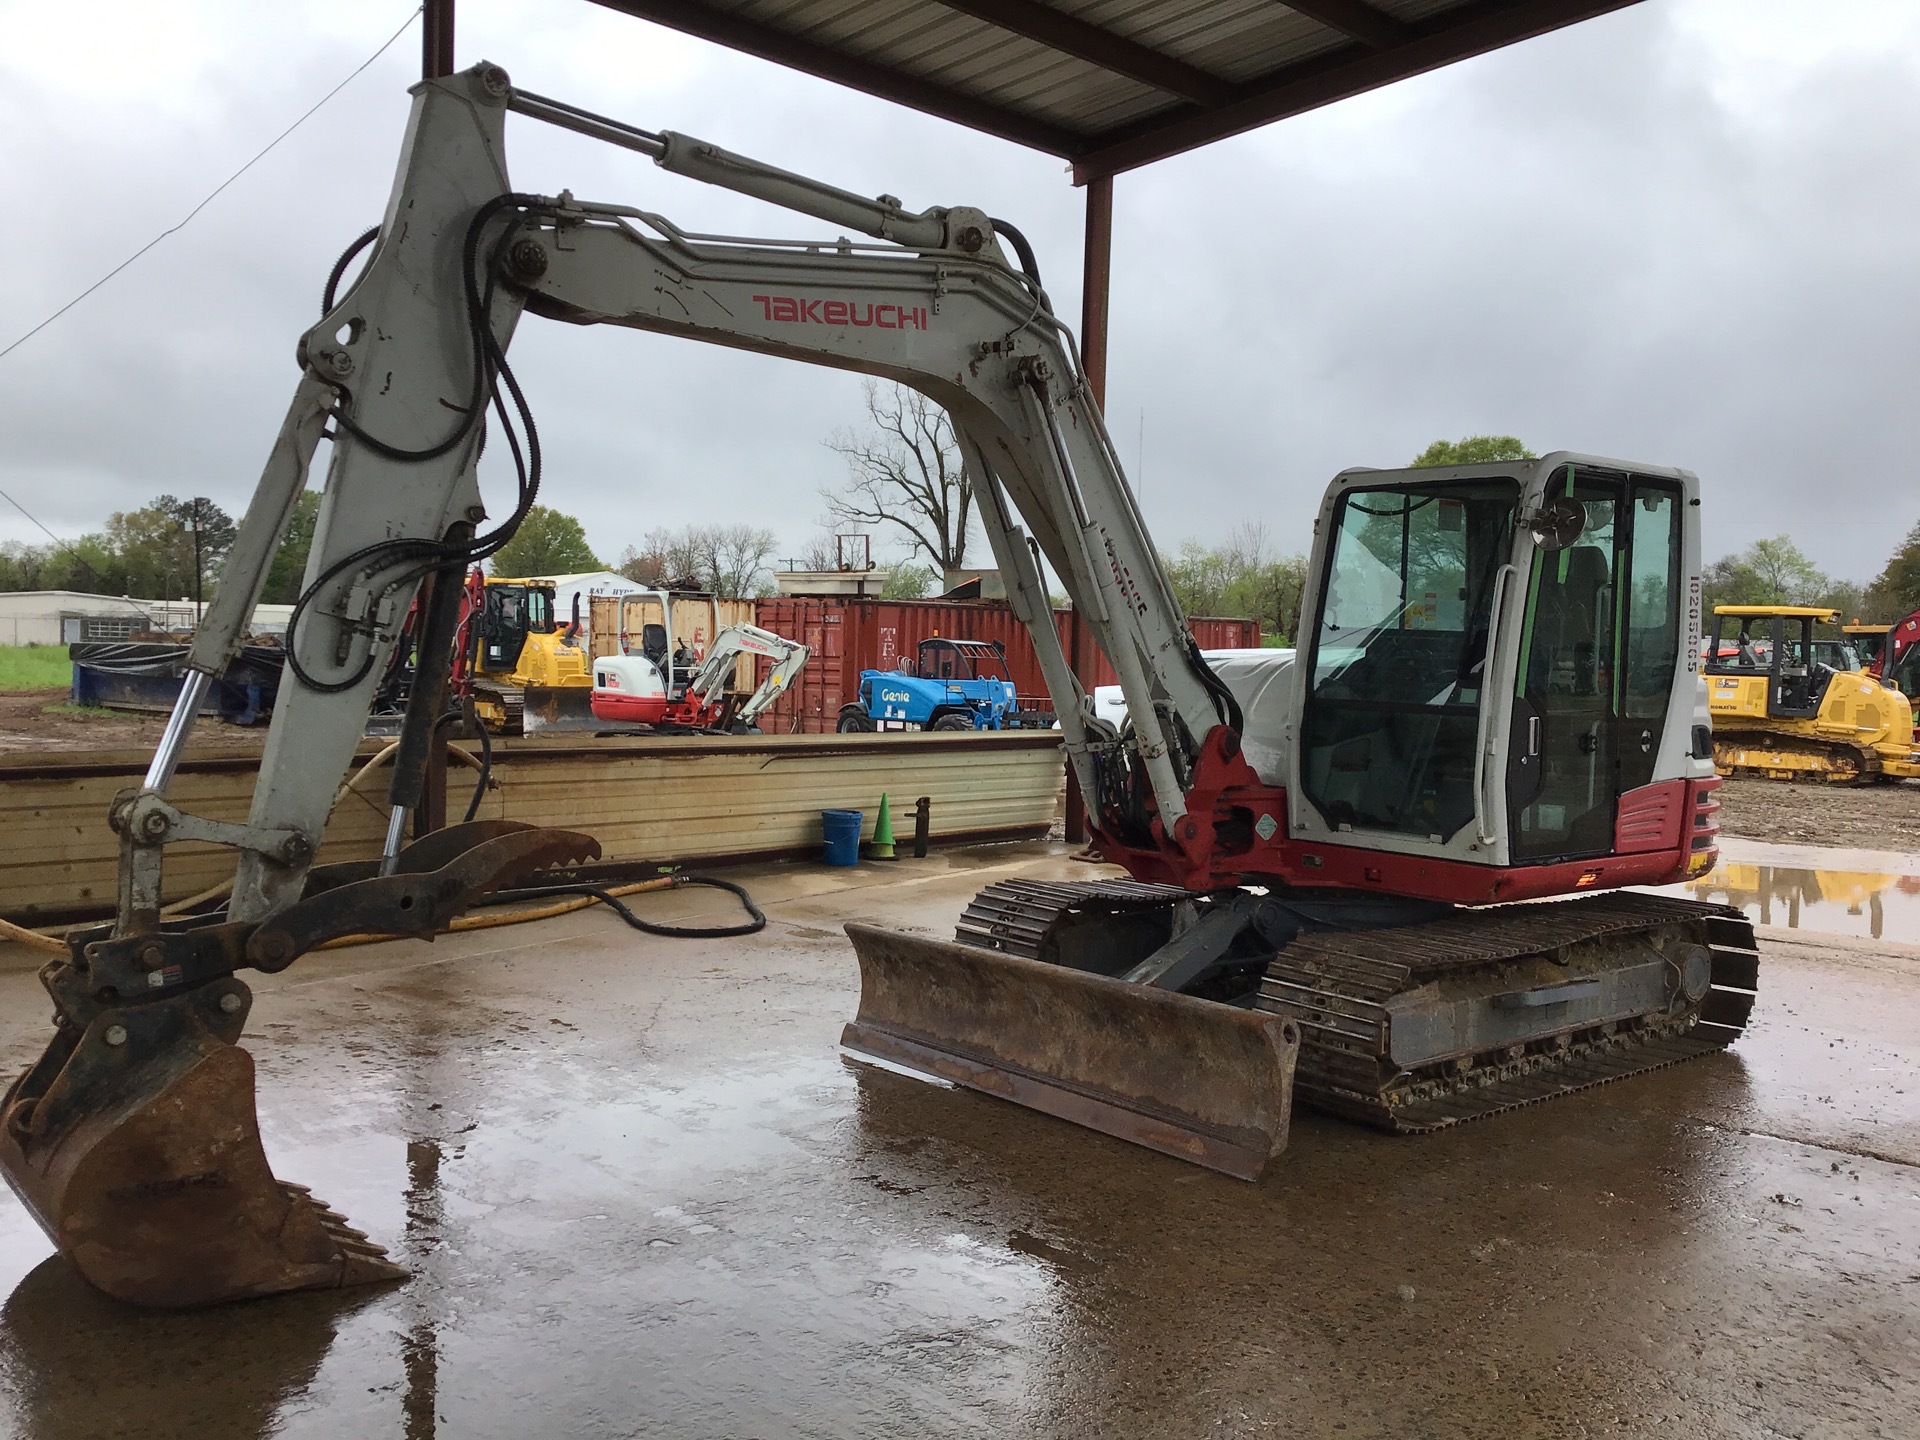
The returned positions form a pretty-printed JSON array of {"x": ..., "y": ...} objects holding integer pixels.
[{"x": 1496, "y": 698}]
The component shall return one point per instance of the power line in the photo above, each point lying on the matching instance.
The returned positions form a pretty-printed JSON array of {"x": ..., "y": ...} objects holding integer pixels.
[{"x": 210, "y": 199}]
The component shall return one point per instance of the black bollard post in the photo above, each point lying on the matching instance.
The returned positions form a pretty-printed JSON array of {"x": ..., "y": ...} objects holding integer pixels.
[{"x": 922, "y": 825}]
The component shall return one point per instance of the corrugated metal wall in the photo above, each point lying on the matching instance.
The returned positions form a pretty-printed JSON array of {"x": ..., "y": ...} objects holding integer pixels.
[
  {"x": 851, "y": 635},
  {"x": 651, "y": 799}
]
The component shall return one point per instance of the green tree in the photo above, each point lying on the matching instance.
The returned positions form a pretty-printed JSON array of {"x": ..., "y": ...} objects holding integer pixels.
[
  {"x": 908, "y": 582},
  {"x": 1767, "y": 572},
  {"x": 1896, "y": 593},
  {"x": 154, "y": 554},
  {"x": 1474, "y": 450},
  {"x": 1244, "y": 579},
  {"x": 548, "y": 542},
  {"x": 289, "y": 565}
]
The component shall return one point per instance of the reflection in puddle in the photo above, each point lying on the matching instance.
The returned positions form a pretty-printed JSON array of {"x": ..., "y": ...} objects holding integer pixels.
[{"x": 1836, "y": 902}]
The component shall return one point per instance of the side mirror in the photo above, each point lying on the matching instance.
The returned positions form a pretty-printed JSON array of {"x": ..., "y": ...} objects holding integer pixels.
[{"x": 1558, "y": 523}]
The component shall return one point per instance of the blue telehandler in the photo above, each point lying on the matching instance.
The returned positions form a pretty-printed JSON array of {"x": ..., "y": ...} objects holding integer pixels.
[{"x": 951, "y": 685}]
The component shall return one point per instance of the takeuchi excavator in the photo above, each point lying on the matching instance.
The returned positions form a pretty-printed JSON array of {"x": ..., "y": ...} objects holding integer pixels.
[{"x": 1496, "y": 698}]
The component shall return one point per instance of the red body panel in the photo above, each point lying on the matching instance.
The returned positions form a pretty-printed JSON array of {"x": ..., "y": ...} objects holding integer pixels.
[
  {"x": 1650, "y": 818},
  {"x": 1229, "y": 850},
  {"x": 633, "y": 709}
]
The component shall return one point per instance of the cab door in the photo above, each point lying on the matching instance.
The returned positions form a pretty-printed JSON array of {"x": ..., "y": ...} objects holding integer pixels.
[{"x": 1598, "y": 656}]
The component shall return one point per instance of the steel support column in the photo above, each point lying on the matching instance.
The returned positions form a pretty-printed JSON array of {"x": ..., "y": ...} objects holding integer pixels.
[
  {"x": 1095, "y": 288},
  {"x": 436, "y": 39}
]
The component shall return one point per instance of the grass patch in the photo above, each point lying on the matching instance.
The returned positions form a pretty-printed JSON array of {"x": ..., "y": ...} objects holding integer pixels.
[
  {"x": 34, "y": 667},
  {"x": 96, "y": 712}
]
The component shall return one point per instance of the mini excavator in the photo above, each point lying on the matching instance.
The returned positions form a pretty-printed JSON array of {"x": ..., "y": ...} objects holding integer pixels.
[{"x": 1496, "y": 699}]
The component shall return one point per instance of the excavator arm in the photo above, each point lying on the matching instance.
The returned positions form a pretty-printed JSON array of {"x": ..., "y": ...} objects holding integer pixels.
[{"x": 789, "y": 658}]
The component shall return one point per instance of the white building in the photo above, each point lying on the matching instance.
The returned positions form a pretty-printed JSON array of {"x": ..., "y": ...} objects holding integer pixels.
[
  {"x": 66, "y": 617},
  {"x": 586, "y": 585}
]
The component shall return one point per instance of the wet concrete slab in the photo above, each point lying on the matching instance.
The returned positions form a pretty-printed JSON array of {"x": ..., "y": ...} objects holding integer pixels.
[{"x": 643, "y": 1194}]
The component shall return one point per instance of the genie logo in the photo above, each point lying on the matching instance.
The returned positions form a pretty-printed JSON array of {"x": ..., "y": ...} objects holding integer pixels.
[{"x": 895, "y": 697}]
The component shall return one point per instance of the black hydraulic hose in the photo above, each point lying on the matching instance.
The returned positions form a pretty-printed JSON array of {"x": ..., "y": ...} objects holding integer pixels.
[
  {"x": 1020, "y": 247},
  {"x": 490, "y": 367},
  {"x": 340, "y": 268},
  {"x": 673, "y": 932},
  {"x": 486, "y": 760}
]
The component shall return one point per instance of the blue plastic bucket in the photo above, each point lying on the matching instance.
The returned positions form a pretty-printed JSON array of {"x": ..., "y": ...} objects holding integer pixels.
[{"x": 842, "y": 829}]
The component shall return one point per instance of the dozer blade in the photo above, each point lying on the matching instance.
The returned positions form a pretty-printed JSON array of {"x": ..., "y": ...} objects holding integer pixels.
[
  {"x": 1201, "y": 1081},
  {"x": 134, "y": 1141},
  {"x": 558, "y": 710}
]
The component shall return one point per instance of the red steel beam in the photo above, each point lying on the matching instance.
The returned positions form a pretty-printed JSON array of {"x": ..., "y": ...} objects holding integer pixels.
[
  {"x": 1350, "y": 70},
  {"x": 436, "y": 39},
  {"x": 753, "y": 38},
  {"x": 1354, "y": 19},
  {"x": 1073, "y": 36},
  {"x": 1095, "y": 293}
]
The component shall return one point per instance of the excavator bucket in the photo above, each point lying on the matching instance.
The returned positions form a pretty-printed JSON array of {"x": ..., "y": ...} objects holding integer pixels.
[
  {"x": 134, "y": 1142},
  {"x": 1201, "y": 1081},
  {"x": 143, "y": 1163},
  {"x": 559, "y": 710}
]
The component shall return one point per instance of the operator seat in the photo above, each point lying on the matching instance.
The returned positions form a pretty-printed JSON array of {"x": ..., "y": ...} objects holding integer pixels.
[
  {"x": 653, "y": 645},
  {"x": 1564, "y": 659}
]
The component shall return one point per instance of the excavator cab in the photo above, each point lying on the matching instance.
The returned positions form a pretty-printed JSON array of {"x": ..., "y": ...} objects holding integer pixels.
[
  {"x": 1491, "y": 663},
  {"x": 514, "y": 609}
]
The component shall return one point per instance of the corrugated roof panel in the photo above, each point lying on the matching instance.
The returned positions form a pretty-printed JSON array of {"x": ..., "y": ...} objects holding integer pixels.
[
  {"x": 1271, "y": 60},
  {"x": 928, "y": 41}
]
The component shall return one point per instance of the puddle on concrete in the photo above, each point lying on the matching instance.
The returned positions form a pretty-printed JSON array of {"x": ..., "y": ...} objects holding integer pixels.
[{"x": 1859, "y": 893}]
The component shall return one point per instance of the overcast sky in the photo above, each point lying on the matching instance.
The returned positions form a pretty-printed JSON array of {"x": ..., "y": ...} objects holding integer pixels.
[{"x": 1684, "y": 233}]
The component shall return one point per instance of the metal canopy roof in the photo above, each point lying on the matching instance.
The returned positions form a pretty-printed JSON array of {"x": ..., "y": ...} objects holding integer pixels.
[{"x": 1114, "y": 84}]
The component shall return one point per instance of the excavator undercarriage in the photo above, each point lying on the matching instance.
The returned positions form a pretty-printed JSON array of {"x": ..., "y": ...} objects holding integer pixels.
[{"x": 1407, "y": 1018}]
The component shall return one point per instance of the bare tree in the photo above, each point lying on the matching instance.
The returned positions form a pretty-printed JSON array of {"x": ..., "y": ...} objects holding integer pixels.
[
  {"x": 904, "y": 470},
  {"x": 736, "y": 557},
  {"x": 730, "y": 560}
]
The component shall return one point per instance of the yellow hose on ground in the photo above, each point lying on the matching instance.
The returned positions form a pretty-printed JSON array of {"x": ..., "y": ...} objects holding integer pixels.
[{"x": 11, "y": 931}]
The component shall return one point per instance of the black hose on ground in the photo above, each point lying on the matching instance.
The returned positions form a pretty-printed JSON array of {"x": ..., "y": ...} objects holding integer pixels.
[{"x": 672, "y": 932}]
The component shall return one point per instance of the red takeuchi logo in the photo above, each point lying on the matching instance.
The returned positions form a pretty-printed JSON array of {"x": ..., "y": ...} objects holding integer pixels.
[{"x": 792, "y": 310}]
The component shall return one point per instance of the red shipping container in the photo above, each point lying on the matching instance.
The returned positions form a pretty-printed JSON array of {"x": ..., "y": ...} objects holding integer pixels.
[{"x": 851, "y": 635}]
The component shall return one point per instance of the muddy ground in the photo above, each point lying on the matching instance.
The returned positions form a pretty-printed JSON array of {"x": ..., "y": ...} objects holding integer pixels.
[
  {"x": 1867, "y": 817},
  {"x": 44, "y": 720}
]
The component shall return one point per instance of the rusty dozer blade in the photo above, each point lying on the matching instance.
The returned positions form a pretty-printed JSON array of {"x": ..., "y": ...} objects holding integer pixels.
[
  {"x": 134, "y": 1141},
  {"x": 559, "y": 710},
  {"x": 1195, "y": 1079}
]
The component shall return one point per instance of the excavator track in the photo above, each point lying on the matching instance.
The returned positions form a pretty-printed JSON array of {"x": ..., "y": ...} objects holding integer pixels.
[{"x": 1343, "y": 989}]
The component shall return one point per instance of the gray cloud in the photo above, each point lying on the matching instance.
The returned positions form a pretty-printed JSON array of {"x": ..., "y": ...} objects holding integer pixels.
[{"x": 1639, "y": 236}]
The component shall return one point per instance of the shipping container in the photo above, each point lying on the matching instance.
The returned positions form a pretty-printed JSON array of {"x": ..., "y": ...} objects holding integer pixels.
[{"x": 848, "y": 635}]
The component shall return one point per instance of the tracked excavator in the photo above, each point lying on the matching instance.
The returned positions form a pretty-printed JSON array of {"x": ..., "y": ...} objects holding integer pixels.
[{"x": 1496, "y": 699}]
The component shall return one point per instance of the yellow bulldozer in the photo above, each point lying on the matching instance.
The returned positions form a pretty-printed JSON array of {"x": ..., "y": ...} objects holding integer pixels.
[
  {"x": 1790, "y": 705},
  {"x": 528, "y": 670}
]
